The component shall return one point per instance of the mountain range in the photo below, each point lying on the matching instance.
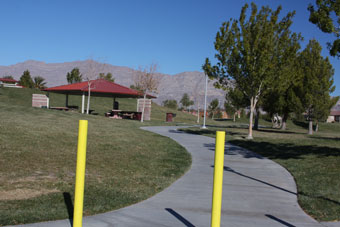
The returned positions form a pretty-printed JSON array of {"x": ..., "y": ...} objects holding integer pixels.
[{"x": 171, "y": 86}]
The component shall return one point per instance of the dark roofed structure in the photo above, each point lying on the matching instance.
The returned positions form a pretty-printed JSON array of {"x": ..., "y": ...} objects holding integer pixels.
[
  {"x": 7, "y": 80},
  {"x": 99, "y": 88}
]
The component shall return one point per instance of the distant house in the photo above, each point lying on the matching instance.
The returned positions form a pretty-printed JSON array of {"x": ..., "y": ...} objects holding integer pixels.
[
  {"x": 335, "y": 113},
  {"x": 5, "y": 82}
]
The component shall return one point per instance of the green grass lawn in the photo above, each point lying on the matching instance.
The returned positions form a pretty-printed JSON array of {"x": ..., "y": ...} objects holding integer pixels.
[
  {"x": 38, "y": 148},
  {"x": 38, "y": 156},
  {"x": 100, "y": 105},
  {"x": 314, "y": 160}
]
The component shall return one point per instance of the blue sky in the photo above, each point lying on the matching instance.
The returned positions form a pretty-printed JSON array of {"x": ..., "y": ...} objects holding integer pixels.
[{"x": 177, "y": 35}]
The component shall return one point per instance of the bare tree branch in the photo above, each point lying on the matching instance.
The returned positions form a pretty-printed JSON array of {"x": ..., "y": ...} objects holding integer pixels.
[{"x": 147, "y": 80}]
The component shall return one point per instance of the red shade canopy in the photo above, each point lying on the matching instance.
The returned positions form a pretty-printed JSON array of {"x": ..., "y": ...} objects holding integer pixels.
[
  {"x": 8, "y": 80},
  {"x": 99, "y": 87}
]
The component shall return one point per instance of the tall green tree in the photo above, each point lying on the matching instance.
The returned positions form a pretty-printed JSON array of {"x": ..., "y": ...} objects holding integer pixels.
[
  {"x": 246, "y": 51},
  {"x": 212, "y": 108},
  {"x": 322, "y": 112},
  {"x": 326, "y": 15},
  {"x": 172, "y": 104},
  {"x": 136, "y": 87},
  {"x": 317, "y": 82},
  {"x": 26, "y": 80},
  {"x": 281, "y": 98},
  {"x": 107, "y": 76},
  {"x": 235, "y": 101},
  {"x": 39, "y": 82},
  {"x": 8, "y": 77},
  {"x": 74, "y": 76},
  {"x": 185, "y": 101}
]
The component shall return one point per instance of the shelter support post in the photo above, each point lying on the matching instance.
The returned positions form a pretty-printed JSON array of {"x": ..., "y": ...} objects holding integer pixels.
[
  {"x": 66, "y": 101},
  {"x": 82, "y": 102},
  {"x": 114, "y": 101}
]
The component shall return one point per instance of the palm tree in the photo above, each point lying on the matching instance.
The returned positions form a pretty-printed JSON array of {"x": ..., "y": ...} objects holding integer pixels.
[{"x": 39, "y": 83}]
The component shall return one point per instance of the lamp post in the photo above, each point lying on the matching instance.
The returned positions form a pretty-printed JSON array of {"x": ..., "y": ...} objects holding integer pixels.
[{"x": 205, "y": 101}]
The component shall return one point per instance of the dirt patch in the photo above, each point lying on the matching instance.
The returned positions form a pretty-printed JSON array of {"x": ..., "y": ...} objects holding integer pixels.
[
  {"x": 19, "y": 194},
  {"x": 31, "y": 179}
]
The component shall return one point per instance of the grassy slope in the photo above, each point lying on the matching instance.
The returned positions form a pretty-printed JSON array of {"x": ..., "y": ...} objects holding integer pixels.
[
  {"x": 23, "y": 97},
  {"x": 312, "y": 160},
  {"x": 38, "y": 155}
]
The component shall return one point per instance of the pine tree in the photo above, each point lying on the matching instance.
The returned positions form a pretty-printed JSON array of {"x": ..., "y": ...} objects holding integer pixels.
[
  {"x": 74, "y": 76},
  {"x": 317, "y": 83},
  {"x": 26, "y": 80}
]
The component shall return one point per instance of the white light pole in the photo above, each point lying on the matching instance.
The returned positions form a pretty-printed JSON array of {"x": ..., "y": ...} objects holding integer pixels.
[{"x": 205, "y": 101}]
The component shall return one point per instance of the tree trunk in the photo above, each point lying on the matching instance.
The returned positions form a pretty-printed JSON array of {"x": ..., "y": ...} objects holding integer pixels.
[
  {"x": 284, "y": 122},
  {"x": 198, "y": 114},
  {"x": 234, "y": 116},
  {"x": 284, "y": 125},
  {"x": 144, "y": 100},
  {"x": 317, "y": 126},
  {"x": 310, "y": 128},
  {"x": 274, "y": 124},
  {"x": 250, "y": 129},
  {"x": 256, "y": 123}
]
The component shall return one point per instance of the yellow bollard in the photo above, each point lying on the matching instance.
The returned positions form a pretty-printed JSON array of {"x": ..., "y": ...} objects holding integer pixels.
[
  {"x": 218, "y": 180},
  {"x": 80, "y": 175}
]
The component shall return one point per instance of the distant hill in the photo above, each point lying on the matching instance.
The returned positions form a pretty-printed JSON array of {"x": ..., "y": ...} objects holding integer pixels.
[{"x": 171, "y": 86}]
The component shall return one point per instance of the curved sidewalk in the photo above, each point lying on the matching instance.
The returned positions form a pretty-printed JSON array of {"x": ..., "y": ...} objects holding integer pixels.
[{"x": 256, "y": 192}]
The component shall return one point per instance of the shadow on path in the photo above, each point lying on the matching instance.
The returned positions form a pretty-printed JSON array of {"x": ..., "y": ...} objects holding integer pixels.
[
  {"x": 69, "y": 206},
  {"x": 233, "y": 150},
  {"x": 179, "y": 217},
  {"x": 254, "y": 179},
  {"x": 274, "y": 186},
  {"x": 279, "y": 220}
]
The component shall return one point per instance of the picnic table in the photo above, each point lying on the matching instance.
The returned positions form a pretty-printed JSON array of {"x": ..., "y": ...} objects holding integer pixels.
[
  {"x": 120, "y": 114},
  {"x": 60, "y": 108},
  {"x": 70, "y": 108}
]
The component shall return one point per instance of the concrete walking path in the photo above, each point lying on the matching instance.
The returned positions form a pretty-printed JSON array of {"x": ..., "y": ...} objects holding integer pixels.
[{"x": 256, "y": 192}]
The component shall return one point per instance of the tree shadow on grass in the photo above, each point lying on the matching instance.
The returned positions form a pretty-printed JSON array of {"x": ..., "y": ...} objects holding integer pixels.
[
  {"x": 176, "y": 131},
  {"x": 326, "y": 138},
  {"x": 320, "y": 197},
  {"x": 211, "y": 132},
  {"x": 302, "y": 124},
  {"x": 223, "y": 119},
  {"x": 241, "y": 126},
  {"x": 286, "y": 150},
  {"x": 198, "y": 132},
  {"x": 278, "y": 131}
]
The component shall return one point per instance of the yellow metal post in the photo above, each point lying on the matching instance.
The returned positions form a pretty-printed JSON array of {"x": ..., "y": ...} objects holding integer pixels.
[
  {"x": 80, "y": 174},
  {"x": 218, "y": 180}
]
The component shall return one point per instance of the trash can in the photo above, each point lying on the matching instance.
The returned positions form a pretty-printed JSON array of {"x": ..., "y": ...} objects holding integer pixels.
[
  {"x": 169, "y": 117},
  {"x": 138, "y": 116}
]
